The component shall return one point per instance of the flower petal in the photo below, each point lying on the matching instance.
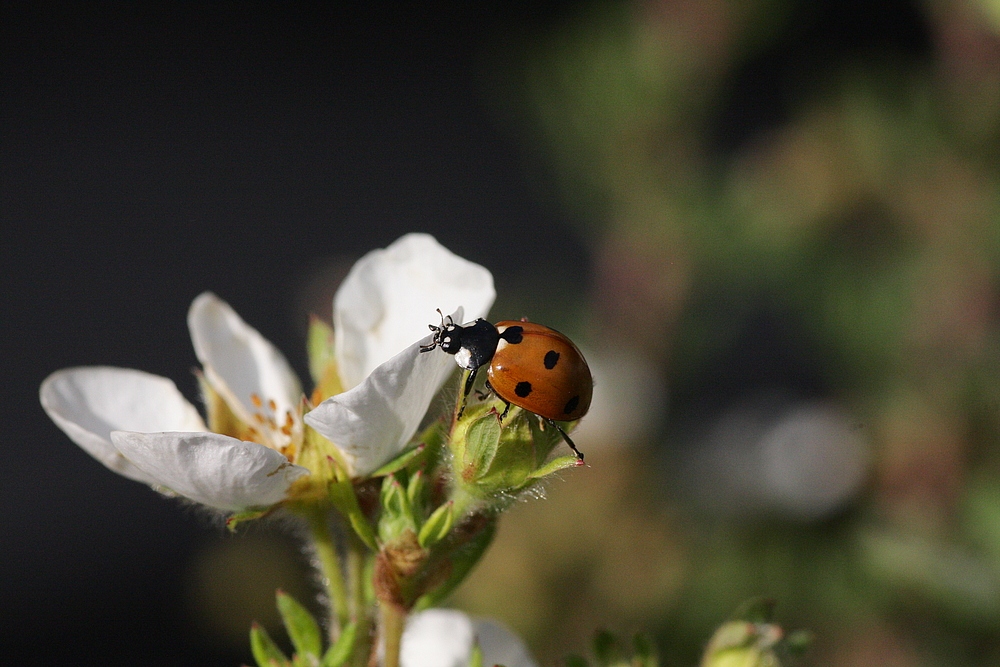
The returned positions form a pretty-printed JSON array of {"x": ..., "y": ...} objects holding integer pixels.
[
  {"x": 444, "y": 638},
  {"x": 373, "y": 422},
  {"x": 389, "y": 298},
  {"x": 211, "y": 469},
  {"x": 240, "y": 363},
  {"x": 90, "y": 402}
]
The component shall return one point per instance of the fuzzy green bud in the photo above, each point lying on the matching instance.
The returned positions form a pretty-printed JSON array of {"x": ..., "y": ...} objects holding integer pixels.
[{"x": 493, "y": 460}]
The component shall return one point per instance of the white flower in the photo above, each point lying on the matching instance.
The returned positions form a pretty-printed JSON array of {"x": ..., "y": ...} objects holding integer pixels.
[
  {"x": 445, "y": 637},
  {"x": 389, "y": 298},
  {"x": 140, "y": 426},
  {"x": 382, "y": 308}
]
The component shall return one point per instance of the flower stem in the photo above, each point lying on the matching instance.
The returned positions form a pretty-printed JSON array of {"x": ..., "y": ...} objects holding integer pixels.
[
  {"x": 393, "y": 622},
  {"x": 329, "y": 565},
  {"x": 359, "y": 609}
]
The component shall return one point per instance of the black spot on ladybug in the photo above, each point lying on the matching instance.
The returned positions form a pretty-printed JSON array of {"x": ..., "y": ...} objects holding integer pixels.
[
  {"x": 551, "y": 359},
  {"x": 523, "y": 389},
  {"x": 513, "y": 335},
  {"x": 571, "y": 405}
]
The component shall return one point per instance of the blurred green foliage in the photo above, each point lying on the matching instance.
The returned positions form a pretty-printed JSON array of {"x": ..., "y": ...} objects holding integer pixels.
[{"x": 844, "y": 249}]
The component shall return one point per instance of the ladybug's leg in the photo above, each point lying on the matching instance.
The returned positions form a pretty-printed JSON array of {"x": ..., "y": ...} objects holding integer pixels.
[
  {"x": 572, "y": 445},
  {"x": 469, "y": 381},
  {"x": 491, "y": 390}
]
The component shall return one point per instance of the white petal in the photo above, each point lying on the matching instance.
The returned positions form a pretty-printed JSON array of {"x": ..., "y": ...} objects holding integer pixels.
[
  {"x": 444, "y": 638},
  {"x": 373, "y": 422},
  {"x": 210, "y": 468},
  {"x": 239, "y": 362},
  {"x": 88, "y": 403},
  {"x": 390, "y": 296},
  {"x": 437, "y": 638}
]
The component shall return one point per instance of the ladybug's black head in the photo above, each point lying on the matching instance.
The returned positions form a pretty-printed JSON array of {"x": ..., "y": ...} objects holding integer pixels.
[
  {"x": 473, "y": 344},
  {"x": 447, "y": 336}
]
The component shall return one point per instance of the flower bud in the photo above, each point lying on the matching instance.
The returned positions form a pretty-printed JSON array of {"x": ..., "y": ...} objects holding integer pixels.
[{"x": 493, "y": 460}]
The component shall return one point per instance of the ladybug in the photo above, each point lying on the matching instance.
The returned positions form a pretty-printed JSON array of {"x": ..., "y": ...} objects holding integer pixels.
[{"x": 529, "y": 365}]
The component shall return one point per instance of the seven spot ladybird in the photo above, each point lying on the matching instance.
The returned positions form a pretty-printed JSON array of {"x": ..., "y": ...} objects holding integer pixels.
[{"x": 529, "y": 365}]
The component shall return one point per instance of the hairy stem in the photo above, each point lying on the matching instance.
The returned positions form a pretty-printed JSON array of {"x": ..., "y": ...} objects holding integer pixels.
[{"x": 329, "y": 566}]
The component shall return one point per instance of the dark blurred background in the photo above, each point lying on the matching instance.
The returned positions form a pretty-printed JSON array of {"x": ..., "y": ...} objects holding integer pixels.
[{"x": 772, "y": 225}]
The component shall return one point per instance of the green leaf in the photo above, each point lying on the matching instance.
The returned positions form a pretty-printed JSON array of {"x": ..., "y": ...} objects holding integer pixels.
[
  {"x": 438, "y": 525},
  {"x": 265, "y": 651},
  {"x": 403, "y": 459},
  {"x": 339, "y": 653},
  {"x": 481, "y": 443},
  {"x": 302, "y": 628},
  {"x": 576, "y": 661}
]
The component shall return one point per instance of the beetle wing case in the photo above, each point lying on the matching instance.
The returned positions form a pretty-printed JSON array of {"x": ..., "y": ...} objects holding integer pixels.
[{"x": 544, "y": 372}]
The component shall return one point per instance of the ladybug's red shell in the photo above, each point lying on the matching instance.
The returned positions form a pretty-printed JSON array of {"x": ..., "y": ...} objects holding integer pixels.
[{"x": 544, "y": 373}]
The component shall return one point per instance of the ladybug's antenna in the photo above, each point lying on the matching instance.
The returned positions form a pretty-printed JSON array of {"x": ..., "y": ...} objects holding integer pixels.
[
  {"x": 569, "y": 441},
  {"x": 438, "y": 331}
]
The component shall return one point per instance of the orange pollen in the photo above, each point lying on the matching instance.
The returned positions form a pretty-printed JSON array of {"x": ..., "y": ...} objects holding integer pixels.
[
  {"x": 259, "y": 418},
  {"x": 289, "y": 420},
  {"x": 272, "y": 405},
  {"x": 257, "y": 402},
  {"x": 286, "y": 429}
]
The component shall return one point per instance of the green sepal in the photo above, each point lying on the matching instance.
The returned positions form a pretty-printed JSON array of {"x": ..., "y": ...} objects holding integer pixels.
[
  {"x": 397, "y": 515},
  {"x": 341, "y": 493},
  {"x": 437, "y": 525},
  {"x": 462, "y": 562},
  {"x": 319, "y": 347},
  {"x": 246, "y": 515},
  {"x": 555, "y": 465},
  {"x": 302, "y": 628},
  {"x": 576, "y": 661},
  {"x": 265, "y": 651},
  {"x": 363, "y": 530},
  {"x": 403, "y": 459},
  {"x": 482, "y": 439},
  {"x": 415, "y": 493},
  {"x": 523, "y": 448},
  {"x": 341, "y": 651},
  {"x": 645, "y": 653},
  {"x": 606, "y": 648},
  {"x": 476, "y": 656},
  {"x": 322, "y": 361}
]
